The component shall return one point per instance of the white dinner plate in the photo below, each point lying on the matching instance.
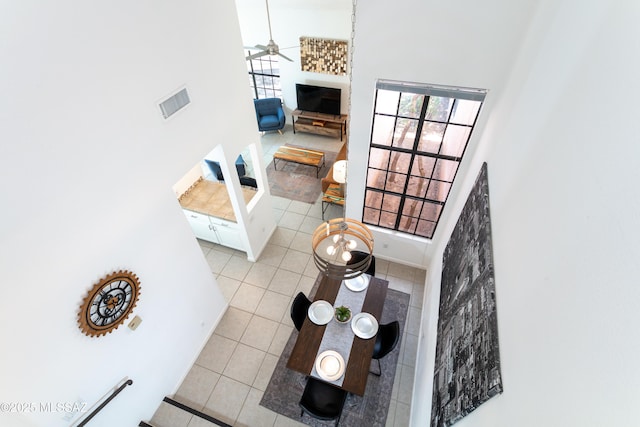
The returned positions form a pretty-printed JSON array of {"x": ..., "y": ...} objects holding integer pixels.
[
  {"x": 358, "y": 283},
  {"x": 364, "y": 325},
  {"x": 320, "y": 312},
  {"x": 330, "y": 365}
]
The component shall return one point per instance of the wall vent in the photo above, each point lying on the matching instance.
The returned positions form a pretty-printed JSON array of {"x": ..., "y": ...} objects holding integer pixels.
[{"x": 174, "y": 103}]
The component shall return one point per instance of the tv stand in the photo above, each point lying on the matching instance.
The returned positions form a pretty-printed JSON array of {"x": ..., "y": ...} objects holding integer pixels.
[{"x": 319, "y": 123}]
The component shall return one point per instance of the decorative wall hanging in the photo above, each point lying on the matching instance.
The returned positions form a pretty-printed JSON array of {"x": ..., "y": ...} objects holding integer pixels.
[
  {"x": 323, "y": 56},
  {"x": 467, "y": 366},
  {"x": 109, "y": 303}
]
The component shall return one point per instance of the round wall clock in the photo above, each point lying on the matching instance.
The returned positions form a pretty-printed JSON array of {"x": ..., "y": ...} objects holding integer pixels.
[{"x": 109, "y": 303}]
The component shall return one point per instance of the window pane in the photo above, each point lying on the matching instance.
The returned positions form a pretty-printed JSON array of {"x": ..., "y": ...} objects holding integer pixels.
[
  {"x": 400, "y": 162},
  {"x": 425, "y": 229},
  {"x": 383, "y": 130},
  {"x": 438, "y": 191},
  {"x": 417, "y": 186},
  {"x": 376, "y": 178},
  {"x": 445, "y": 170},
  {"x": 430, "y": 211},
  {"x": 412, "y": 207},
  {"x": 373, "y": 199},
  {"x": 410, "y": 105},
  {"x": 371, "y": 216},
  {"x": 387, "y": 102},
  {"x": 431, "y": 137},
  {"x": 438, "y": 108},
  {"x": 388, "y": 219},
  {"x": 396, "y": 182},
  {"x": 465, "y": 112},
  {"x": 455, "y": 139},
  {"x": 423, "y": 166},
  {"x": 379, "y": 158},
  {"x": 391, "y": 203},
  {"x": 405, "y": 133},
  {"x": 408, "y": 224}
]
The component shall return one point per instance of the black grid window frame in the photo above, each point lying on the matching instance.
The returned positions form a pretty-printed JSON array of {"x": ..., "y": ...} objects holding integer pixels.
[
  {"x": 264, "y": 76},
  {"x": 399, "y": 204}
]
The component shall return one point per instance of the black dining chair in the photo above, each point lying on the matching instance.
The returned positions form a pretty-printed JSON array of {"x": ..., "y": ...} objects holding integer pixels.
[
  {"x": 299, "y": 309},
  {"x": 322, "y": 400},
  {"x": 386, "y": 340},
  {"x": 357, "y": 256}
]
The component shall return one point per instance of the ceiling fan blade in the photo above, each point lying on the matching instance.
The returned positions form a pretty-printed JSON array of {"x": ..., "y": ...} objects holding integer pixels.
[
  {"x": 285, "y": 57},
  {"x": 257, "y": 55},
  {"x": 262, "y": 47}
]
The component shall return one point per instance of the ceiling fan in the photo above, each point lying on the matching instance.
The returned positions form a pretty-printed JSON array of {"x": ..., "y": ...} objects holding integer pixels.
[{"x": 271, "y": 48}]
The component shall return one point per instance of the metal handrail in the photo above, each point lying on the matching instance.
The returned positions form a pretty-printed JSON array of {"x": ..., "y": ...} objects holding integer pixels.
[{"x": 105, "y": 403}]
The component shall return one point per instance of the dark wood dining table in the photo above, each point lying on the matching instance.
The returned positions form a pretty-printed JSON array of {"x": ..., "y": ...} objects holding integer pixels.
[{"x": 305, "y": 350}]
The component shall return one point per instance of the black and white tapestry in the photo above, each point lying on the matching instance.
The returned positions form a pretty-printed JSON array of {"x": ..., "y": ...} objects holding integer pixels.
[{"x": 467, "y": 366}]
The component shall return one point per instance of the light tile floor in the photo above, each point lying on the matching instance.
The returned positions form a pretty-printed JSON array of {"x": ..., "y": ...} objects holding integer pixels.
[{"x": 233, "y": 370}]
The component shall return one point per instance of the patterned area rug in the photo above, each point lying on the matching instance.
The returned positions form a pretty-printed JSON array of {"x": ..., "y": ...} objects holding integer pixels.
[
  {"x": 298, "y": 182},
  {"x": 286, "y": 386}
]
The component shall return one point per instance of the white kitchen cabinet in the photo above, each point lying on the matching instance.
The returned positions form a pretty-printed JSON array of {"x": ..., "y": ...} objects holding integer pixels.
[
  {"x": 201, "y": 226},
  {"x": 228, "y": 233},
  {"x": 216, "y": 230}
]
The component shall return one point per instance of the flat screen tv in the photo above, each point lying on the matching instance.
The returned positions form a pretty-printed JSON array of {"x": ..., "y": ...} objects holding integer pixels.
[{"x": 318, "y": 99}]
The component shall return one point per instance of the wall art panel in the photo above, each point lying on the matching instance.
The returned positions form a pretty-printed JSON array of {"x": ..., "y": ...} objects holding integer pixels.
[
  {"x": 323, "y": 55},
  {"x": 467, "y": 366}
]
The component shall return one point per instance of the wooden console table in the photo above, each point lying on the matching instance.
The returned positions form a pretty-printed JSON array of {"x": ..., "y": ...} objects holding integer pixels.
[{"x": 320, "y": 124}]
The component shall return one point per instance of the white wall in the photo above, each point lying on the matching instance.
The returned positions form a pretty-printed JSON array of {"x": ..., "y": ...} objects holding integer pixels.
[
  {"x": 87, "y": 169},
  {"x": 460, "y": 44},
  {"x": 291, "y": 19},
  {"x": 558, "y": 133}
]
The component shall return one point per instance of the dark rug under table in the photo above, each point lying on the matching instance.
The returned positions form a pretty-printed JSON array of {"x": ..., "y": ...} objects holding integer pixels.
[{"x": 286, "y": 386}]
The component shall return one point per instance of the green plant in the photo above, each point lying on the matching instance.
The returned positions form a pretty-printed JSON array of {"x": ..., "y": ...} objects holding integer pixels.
[{"x": 343, "y": 313}]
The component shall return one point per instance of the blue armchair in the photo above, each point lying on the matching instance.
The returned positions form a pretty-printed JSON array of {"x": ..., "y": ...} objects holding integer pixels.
[{"x": 270, "y": 114}]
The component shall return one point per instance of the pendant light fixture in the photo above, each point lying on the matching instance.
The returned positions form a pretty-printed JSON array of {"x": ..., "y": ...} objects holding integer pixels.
[{"x": 342, "y": 248}]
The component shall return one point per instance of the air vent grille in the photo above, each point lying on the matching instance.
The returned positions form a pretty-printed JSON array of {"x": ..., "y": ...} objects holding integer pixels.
[{"x": 174, "y": 103}]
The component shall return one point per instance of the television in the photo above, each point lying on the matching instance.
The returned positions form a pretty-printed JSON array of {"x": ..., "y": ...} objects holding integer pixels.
[{"x": 318, "y": 99}]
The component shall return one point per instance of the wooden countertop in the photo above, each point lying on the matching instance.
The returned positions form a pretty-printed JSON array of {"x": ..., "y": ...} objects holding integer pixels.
[{"x": 211, "y": 198}]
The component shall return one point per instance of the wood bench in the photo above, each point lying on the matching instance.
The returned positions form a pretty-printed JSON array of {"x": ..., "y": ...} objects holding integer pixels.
[{"x": 301, "y": 156}]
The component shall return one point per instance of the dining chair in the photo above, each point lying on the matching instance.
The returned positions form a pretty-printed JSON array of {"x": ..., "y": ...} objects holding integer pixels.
[
  {"x": 357, "y": 256},
  {"x": 299, "y": 309},
  {"x": 322, "y": 400},
  {"x": 386, "y": 340}
]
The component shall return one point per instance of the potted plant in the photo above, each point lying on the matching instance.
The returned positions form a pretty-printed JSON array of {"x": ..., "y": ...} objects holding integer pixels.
[{"x": 343, "y": 314}]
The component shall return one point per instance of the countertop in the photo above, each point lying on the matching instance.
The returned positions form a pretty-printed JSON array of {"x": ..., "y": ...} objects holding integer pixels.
[{"x": 211, "y": 198}]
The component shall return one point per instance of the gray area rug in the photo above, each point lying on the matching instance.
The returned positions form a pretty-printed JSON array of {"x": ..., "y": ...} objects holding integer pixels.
[
  {"x": 298, "y": 182},
  {"x": 286, "y": 386}
]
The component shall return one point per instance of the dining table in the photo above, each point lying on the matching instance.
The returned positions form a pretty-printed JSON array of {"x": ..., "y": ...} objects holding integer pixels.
[{"x": 356, "y": 352}]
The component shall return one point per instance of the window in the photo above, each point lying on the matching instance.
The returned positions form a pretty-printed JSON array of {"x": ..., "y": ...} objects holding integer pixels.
[
  {"x": 264, "y": 76},
  {"x": 418, "y": 137}
]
